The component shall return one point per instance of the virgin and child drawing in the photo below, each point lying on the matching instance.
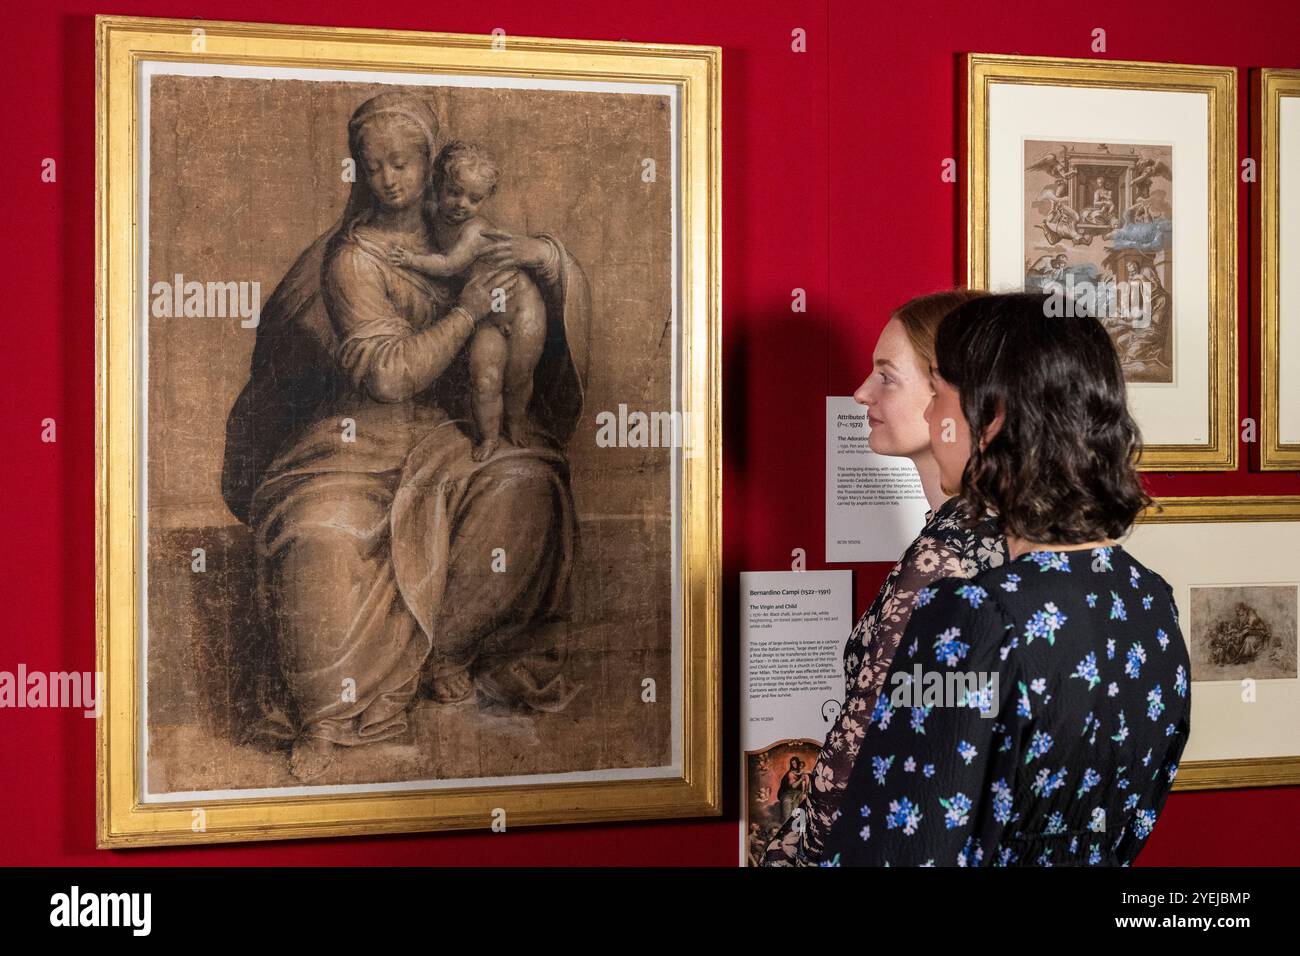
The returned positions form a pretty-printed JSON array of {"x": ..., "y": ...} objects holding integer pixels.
[
  {"x": 418, "y": 565},
  {"x": 1099, "y": 231}
]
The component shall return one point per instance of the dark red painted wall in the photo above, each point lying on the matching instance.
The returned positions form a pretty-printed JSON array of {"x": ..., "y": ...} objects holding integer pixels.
[{"x": 831, "y": 183}]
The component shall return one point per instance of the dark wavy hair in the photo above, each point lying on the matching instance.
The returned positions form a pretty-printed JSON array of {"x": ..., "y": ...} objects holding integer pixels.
[{"x": 1063, "y": 466}]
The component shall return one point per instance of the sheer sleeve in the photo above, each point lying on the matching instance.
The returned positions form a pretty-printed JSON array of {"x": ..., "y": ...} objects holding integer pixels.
[
  {"x": 379, "y": 351},
  {"x": 800, "y": 840},
  {"x": 934, "y": 781}
]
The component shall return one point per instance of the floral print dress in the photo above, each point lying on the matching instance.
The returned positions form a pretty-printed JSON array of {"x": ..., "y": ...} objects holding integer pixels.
[
  {"x": 944, "y": 548},
  {"x": 1066, "y": 758}
]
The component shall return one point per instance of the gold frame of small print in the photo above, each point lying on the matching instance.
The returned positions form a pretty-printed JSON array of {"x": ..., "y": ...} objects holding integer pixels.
[
  {"x": 1219, "y": 453},
  {"x": 122, "y": 44},
  {"x": 1249, "y": 771},
  {"x": 1274, "y": 454}
]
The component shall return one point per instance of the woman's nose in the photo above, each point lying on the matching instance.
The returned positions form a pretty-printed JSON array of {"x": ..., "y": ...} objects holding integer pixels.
[{"x": 863, "y": 395}]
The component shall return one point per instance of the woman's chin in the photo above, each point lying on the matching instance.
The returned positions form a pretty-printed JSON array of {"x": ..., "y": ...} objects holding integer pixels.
[
  {"x": 886, "y": 448},
  {"x": 885, "y": 445}
]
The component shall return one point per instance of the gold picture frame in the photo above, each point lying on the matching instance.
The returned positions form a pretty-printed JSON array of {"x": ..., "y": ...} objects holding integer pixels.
[
  {"x": 1275, "y": 455},
  {"x": 1214, "y": 774},
  {"x": 123, "y": 45},
  {"x": 980, "y": 71}
]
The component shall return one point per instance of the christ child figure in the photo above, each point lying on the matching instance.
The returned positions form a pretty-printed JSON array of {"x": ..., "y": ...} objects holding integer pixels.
[{"x": 505, "y": 349}]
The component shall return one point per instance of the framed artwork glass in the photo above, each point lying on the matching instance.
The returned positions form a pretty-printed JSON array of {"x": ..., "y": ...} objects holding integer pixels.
[
  {"x": 1112, "y": 186},
  {"x": 408, "y": 460},
  {"x": 1232, "y": 565},
  {"x": 1279, "y": 177}
]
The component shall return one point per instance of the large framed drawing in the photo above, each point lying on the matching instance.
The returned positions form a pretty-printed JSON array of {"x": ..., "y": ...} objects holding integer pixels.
[
  {"x": 1232, "y": 565},
  {"x": 1279, "y": 132},
  {"x": 1113, "y": 186},
  {"x": 426, "y": 535}
]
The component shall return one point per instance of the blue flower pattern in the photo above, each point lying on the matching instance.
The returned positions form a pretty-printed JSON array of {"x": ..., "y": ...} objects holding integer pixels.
[
  {"x": 1074, "y": 781},
  {"x": 1050, "y": 560},
  {"x": 948, "y": 649},
  {"x": 1044, "y": 623},
  {"x": 949, "y": 545}
]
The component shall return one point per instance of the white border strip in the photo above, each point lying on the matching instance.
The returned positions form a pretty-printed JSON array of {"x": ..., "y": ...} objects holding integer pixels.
[{"x": 150, "y": 69}]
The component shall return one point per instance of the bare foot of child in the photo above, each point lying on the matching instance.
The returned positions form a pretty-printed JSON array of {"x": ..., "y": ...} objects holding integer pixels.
[
  {"x": 310, "y": 758},
  {"x": 519, "y": 434},
  {"x": 453, "y": 686},
  {"x": 484, "y": 449}
]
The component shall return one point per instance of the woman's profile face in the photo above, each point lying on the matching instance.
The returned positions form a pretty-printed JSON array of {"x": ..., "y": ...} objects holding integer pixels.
[
  {"x": 896, "y": 394},
  {"x": 395, "y": 164},
  {"x": 949, "y": 434}
]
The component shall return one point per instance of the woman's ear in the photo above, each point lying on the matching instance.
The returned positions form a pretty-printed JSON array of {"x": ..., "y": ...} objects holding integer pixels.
[{"x": 994, "y": 426}]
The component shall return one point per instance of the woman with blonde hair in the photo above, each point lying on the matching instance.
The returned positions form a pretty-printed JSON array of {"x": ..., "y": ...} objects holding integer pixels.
[{"x": 897, "y": 394}]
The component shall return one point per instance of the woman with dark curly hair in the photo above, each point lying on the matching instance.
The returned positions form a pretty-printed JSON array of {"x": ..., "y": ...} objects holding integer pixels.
[{"x": 1035, "y": 714}]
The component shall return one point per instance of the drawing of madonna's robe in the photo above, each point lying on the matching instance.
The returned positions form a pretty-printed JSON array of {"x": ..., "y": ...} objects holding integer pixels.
[{"x": 380, "y": 543}]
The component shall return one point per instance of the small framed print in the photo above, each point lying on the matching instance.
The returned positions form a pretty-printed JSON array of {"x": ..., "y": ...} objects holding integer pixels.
[
  {"x": 1112, "y": 187},
  {"x": 1279, "y": 178},
  {"x": 408, "y": 462},
  {"x": 776, "y": 779},
  {"x": 1233, "y": 567}
]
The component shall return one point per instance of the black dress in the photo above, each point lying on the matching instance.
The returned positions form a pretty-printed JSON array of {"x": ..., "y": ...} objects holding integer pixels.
[
  {"x": 1034, "y": 715},
  {"x": 949, "y": 545}
]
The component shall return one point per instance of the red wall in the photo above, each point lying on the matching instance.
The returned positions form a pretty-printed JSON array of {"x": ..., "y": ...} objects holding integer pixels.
[{"x": 831, "y": 183}]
